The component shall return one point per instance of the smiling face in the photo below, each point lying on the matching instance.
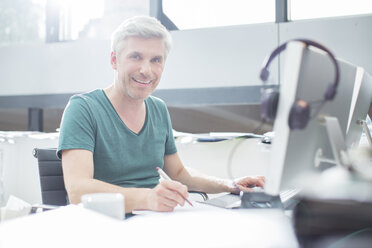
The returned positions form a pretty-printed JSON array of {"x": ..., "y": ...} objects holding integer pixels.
[{"x": 139, "y": 67}]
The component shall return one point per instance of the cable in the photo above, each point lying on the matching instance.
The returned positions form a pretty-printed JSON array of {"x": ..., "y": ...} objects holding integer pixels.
[
  {"x": 231, "y": 155},
  {"x": 233, "y": 150}
]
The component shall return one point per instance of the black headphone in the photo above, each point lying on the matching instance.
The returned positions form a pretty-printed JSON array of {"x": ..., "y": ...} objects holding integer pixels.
[{"x": 299, "y": 115}]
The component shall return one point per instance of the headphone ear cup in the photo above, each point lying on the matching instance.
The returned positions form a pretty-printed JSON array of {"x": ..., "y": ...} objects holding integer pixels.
[
  {"x": 330, "y": 93},
  {"x": 269, "y": 104},
  {"x": 299, "y": 115}
]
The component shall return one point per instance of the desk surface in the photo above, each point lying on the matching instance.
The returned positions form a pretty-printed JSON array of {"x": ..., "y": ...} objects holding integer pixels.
[{"x": 199, "y": 227}]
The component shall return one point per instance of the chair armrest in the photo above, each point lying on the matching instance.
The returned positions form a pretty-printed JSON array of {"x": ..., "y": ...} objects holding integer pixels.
[
  {"x": 204, "y": 195},
  {"x": 44, "y": 207}
]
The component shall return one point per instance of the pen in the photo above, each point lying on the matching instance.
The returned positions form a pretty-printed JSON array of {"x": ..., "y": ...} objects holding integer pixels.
[{"x": 166, "y": 177}]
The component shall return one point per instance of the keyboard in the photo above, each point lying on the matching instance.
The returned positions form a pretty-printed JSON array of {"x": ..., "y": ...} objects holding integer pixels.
[
  {"x": 225, "y": 201},
  {"x": 285, "y": 200},
  {"x": 289, "y": 199},
  {"x": 288, "y": 194}
]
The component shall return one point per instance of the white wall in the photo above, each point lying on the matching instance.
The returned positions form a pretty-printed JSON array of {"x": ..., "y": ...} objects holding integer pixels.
[
  {"x": 349, "y": 38},
  {"x": 55, "y": 68},
  {"x": 219, "y": 57}
]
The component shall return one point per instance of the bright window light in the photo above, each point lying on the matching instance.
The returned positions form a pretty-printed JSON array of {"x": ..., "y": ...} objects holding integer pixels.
[
  {"x": 75, "y": 14},
  {"x": 305, "y": 9},
  {"x": 189, "y": 14}
]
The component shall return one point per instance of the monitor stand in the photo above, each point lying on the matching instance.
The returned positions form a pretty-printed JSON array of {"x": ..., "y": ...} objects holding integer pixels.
[
  {"x": 336, "y": 138},
  {"x": 366, "y": 131},
  {"x": 356, "y": 171},
  {"x": 263, "y": 200}
]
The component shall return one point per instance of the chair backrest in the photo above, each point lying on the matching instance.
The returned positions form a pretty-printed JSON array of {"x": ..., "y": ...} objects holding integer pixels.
[{"x": 53, "y": 191}]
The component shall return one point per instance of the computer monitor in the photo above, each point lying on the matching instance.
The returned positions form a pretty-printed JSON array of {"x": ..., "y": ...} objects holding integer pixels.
[
  {"x": 361, "y": 101},
  {"x": 307, "y": 73}
]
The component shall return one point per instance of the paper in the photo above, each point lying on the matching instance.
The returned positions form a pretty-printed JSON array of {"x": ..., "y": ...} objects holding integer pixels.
[
  {"x": 197, "y": 206},
  {"x": 15, "y": 207},
  {"x": 231, "y": 135}
]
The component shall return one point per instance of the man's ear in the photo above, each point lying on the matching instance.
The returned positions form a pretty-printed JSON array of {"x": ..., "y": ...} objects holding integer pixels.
[{"x": 113, "y": 60}]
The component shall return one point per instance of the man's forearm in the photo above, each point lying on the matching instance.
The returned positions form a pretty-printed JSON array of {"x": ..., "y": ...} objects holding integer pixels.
[
  {"x": 208, "y": 184},
  {"x": 135, "y": 198}
]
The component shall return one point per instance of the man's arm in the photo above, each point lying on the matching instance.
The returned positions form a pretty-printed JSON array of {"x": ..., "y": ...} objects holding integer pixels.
[
  {"x": 78, "y": 170},
  {"x": 175, "y": 169}
]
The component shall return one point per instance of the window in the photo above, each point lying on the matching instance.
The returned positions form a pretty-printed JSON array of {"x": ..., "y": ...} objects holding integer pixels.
[
  {"x": 95, "y": 19},
  {"x": 190, "y": 14},
  {"x": 28, "y": 21},
  {"x": 305, "y": 9},
  {"x": 76, "y": 15},
  {"x": 21, "y": 21}
]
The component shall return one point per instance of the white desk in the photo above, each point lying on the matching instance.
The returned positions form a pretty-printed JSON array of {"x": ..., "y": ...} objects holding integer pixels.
[
  {"x": 251, "y": 157},
  {"x": 73, "y": 226},
  {"x": 19, "y": 171}
]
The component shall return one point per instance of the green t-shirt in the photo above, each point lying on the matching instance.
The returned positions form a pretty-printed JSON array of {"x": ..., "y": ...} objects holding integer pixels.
[{"x": 121, "y": 157}]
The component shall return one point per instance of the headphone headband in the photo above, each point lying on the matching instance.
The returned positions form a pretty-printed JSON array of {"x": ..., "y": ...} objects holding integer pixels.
[
  {"x": 331, "y": 90},
  {"x": 300, "y": 112}
]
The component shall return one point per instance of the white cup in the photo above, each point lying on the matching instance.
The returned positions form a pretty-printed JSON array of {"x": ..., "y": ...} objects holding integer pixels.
[{"x": 111, "y": 204}]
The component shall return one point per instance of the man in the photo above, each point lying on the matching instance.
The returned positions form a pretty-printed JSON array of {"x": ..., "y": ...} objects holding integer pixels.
[{"x": 112, "y": 140}]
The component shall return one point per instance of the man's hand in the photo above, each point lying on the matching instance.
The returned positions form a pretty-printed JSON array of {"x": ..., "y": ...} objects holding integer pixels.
[
  {"x": 247, "y": 183},
  {"x": 167, "y": 195}
]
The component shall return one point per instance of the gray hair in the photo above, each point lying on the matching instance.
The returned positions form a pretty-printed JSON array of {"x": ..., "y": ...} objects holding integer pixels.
[{"x": 140, "y": 26}]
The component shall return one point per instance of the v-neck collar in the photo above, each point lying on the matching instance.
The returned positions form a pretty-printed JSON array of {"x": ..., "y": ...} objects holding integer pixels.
[{"x": 118, "y": 116}]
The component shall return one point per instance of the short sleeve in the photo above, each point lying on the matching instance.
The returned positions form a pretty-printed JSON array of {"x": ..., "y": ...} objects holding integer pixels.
[
  {"x": 170, "y": 145},
  {"x": 77, "y": 129}
]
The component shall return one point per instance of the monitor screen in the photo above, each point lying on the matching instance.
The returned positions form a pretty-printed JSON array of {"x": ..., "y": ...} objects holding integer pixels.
[
  {"x": 306, "y": 75},
  {"x": 361, "y": 101}
]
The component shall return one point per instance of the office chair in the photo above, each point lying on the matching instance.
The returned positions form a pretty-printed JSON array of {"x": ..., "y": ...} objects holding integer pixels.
[{"x": 53, "y": 189}]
